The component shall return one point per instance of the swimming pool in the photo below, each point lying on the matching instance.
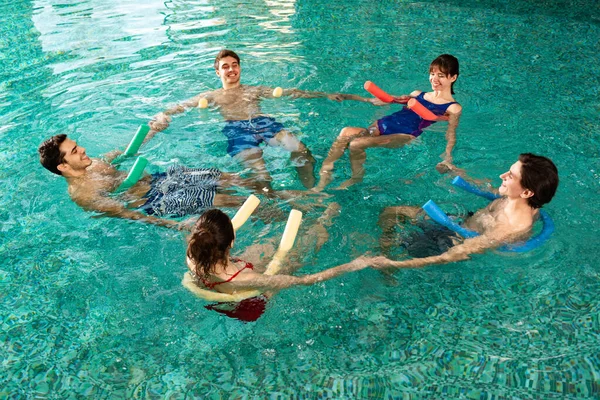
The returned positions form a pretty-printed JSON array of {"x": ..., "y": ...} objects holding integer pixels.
[{"x": 94, "y": 307}]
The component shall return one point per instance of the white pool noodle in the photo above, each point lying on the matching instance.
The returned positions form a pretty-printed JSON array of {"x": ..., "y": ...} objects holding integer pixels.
[{"x": 245, "y": 212}]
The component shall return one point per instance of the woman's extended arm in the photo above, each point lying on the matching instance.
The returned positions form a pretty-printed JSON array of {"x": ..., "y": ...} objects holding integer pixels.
[
  {"x": 446, "y": 165},
  {"x": 277, "y": 282}
]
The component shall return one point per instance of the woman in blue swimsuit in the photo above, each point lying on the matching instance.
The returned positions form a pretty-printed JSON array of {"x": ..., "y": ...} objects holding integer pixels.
[{"x": 400, "y": 128}]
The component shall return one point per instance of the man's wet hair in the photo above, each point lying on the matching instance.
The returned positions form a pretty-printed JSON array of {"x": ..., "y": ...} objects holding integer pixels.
[
  {"x": 226, "y": 53},
  {"x": 540, "y": 175},
  {"x": 50, "y": 155}
]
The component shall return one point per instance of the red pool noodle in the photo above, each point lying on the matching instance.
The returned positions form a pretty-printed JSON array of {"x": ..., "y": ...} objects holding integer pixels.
[
  {"x": 413, "y": 104},
  {"x": 424, "y": 112},
  {"x": 377, "y": 92}
]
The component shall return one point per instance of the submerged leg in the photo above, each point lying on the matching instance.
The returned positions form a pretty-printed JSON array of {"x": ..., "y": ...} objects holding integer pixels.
[
  {"x": 315, "y": 236},
  {"x": 358, "y": 154},
  {"x": 253, "y": 159},
  {"x": 346, "y": 136},
  {"x": 300, "y": 156},
  {"x": 389, "y": 218}
]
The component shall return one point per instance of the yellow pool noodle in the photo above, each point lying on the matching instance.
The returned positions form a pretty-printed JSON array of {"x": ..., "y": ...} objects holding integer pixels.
[
  {"x": 286, "y": 243},
  {"x": 202, "y": 103},
  {"x": 245, "y": 212}
]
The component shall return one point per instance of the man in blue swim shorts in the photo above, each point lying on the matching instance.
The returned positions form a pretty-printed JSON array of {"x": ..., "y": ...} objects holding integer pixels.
[
  {"x": 245, "y": 127},
  {"x": 177, "y": 192}
]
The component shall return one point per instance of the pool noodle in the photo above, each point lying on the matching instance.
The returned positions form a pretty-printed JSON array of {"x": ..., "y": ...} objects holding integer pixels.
[
  {"x": 464, "y": 185},
  {"x": 287, "y": 241},
  {"x": 423, "y": 111},
  {"x": 137, "y": 140},
  {"x": 378, "y": 92},
  {"x": 413, "y": 103},
  {"x": 135, "y": 173},
  {"x": 436, "y": 214},
  {"x": 244, "y": 212}
]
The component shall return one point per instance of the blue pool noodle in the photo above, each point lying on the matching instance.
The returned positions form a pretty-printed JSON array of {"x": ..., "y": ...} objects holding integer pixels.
[{"x": 441, "y": 218}]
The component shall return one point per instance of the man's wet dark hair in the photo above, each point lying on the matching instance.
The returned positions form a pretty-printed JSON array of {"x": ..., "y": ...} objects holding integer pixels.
[
  {"x": 226, "y": 53},
  {"x": 540, "y": 175},
  {"x": 448, "y": 64},
  {"x": 50, "y": 154}
]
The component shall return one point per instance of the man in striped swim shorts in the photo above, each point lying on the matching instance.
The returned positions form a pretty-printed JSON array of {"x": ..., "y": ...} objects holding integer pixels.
[{"x": 177, "y": 192}]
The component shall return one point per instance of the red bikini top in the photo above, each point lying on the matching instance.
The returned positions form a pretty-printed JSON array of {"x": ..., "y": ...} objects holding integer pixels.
[{"x": 211, "y": 285}]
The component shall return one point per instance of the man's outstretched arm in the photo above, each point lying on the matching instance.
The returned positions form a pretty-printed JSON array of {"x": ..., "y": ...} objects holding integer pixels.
[
  {"x": 161, "y": 121},
  {"x": 460, "y": 252},
  {"x": 114, "y": 208},
  {"x": 267, "y": 92}
]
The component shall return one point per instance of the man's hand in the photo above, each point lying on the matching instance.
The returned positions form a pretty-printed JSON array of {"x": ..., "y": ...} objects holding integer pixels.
[
  {"x": 160, "y": 122},
  {"x": 446, "y": 166}
]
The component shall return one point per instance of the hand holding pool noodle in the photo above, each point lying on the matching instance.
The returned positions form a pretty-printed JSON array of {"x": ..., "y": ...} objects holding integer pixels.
[
  {"x": 202, "y": 103},
  {"x": 134, "y": 174},
  {"x": 413, "y": 103}
]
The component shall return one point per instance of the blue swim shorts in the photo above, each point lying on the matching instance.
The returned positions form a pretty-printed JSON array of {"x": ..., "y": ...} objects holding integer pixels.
[{"x": 249, "y": 134}]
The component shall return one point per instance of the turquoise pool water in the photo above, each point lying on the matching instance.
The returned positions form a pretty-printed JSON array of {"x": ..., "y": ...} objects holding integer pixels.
[{"x": 94, "y": 307}]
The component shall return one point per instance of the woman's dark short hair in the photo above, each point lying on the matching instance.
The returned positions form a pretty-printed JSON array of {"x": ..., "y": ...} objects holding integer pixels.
[
  {"x": 50, "y": 155},
  {"x": 448, "y": 64},
  {"x": 210, "y": 241},
  {"x": 540, "y": 175},
  {"x": 226, "y": 53}
]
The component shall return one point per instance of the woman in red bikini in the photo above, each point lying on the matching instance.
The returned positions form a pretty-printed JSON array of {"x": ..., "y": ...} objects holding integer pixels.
[{"x": 211, "y": 266}]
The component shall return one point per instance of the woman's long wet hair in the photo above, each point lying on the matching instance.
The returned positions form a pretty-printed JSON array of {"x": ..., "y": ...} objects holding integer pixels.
[
  {"x": 210, "y": 241},
  {"x": 448, "y": 64}
]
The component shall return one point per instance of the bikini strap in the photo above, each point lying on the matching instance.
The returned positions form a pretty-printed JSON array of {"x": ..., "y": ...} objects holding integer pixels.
[{"x": 211, "y": 285}]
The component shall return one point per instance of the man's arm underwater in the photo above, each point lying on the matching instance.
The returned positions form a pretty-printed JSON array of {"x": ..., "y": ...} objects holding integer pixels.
[{"x": 113, "y": 208}]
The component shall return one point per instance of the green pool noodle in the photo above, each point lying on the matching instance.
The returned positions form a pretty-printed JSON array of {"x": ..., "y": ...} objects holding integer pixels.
[
  {"x": 134, "y": 174},
  {"x": 137, "y": 140}
]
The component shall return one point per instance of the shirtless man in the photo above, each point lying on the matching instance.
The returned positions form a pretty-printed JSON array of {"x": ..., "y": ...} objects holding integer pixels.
[
  {"x": 530, "y": 183},
  {"x": 245, "y": 126},
  {"x": 178, "y": 192}
]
